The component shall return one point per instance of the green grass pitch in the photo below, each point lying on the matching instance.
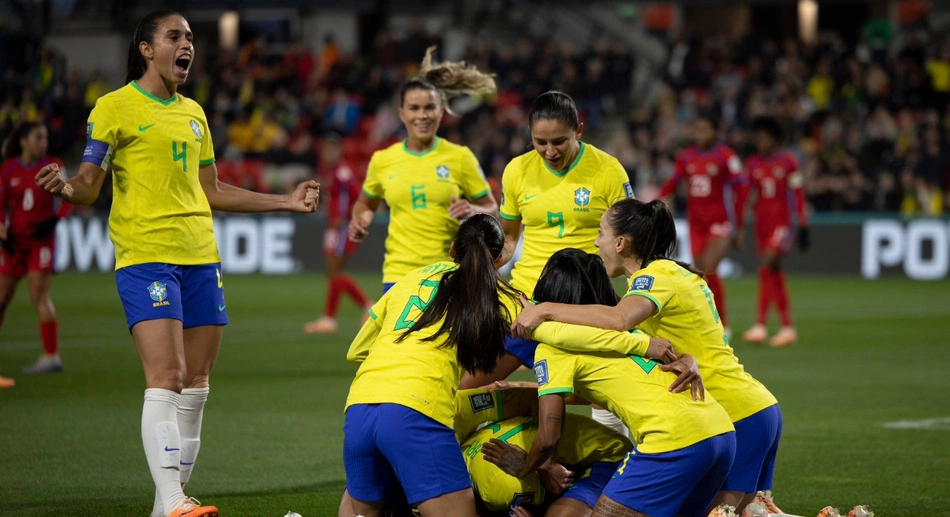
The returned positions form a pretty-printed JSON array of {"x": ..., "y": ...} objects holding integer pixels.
[{"x": 869, "y": 353}]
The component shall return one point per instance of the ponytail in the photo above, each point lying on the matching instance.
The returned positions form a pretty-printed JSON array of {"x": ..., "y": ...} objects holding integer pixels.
[
  {"x": 144, "y": 31},
  {"x": 448, "y": 79},
  {"x": 468, "y": 301},
  {"x": 12, "y": 147},
  {"x": 650, "y": 229}
]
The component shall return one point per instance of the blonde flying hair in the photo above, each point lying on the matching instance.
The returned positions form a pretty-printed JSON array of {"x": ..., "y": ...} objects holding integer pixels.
[{"x": 449, "y": 79}]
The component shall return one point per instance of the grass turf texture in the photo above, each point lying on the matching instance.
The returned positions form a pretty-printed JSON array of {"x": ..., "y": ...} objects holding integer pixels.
[{"x": 869, "y": 353}]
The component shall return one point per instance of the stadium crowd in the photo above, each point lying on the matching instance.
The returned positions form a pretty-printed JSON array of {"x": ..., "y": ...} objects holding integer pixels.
[{"x": 868, "y": 120}]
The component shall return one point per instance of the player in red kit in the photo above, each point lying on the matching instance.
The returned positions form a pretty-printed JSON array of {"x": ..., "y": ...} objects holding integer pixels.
[
  {"x": 713, "y": 174},
  {"x": 28, "y": 233},
  {"x": 344, "y": 188},
  {"x": 779, "y": 207}
]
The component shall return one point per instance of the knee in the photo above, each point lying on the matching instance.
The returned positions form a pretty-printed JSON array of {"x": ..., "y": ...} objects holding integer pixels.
[{"x": 171, "y": 379}]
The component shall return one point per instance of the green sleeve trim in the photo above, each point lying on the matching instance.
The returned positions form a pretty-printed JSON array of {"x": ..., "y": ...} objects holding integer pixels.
[
  {"x": 659, "y": 306},
  {"x": 481, "y": 194},
  {"x": 373, "y": 315},
  {"x": 370, "y": 195},
  {"x": 554, "y": 391},
  {"x": 205, "y": 163},
  {"x": 509, "y": 217}
]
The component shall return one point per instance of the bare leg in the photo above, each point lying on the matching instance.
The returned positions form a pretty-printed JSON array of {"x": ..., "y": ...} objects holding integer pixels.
[
  {"x": 457, "y": 504},
  {"x": 565, "y": 507},
  {"x": 607, "y": 507}
]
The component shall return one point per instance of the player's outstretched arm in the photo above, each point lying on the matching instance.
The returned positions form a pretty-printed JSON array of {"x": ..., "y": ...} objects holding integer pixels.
[
  {"x": 81, "y": 189},
  {"x": 630, "y": 312},
  {"x": 584, "y": 338},
  {"x": 228, "y": 198}
]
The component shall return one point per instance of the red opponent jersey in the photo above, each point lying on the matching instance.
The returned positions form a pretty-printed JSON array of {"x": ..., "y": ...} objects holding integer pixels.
[
  {"x": 22, "y": 202},
  {"x": 345, "y": 186},
  {"x": 777, "y": 183},
  {"x": 711, "y": 176}
]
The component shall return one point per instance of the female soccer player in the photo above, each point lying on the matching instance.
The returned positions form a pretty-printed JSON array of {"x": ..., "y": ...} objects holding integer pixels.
[
  {"x": 27, "y": 245},
  {"x": 685, "y": 446},
  {"x": 168, "y": 270},
  {"x": 557, "y": 193},
  {"x": 671, "y": 300},
  {"x": 435, "y": 323},
  {"x": 429, "y": 183},
  {"x": 779, "y": 212},
  {"x": 344, "y": 189},
  {"x": 713, "y": 173}
]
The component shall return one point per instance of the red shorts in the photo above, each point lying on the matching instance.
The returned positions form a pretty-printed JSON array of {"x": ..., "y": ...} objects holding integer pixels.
[
  {"x": 777, "y": 237},
  {"x": 336, "y": 241},
  {"x": 701, "y": 233},
  {"x": 28, "y": 256}
]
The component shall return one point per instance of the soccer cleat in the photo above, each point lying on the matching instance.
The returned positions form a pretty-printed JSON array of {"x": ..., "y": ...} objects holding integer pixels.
[
  {"x": 755, "y": 509},
  {"x": 45, "y": 364},
  {"x": 764, "y": 497},
  {"x": 723, "y": 510},
  {"x": 190, "y": 507},
  {"x": 324, "y": 325},
  {"x": 6, "y": 382},
  {"x": 785, "y": 337},
  {"x": 829, "y": 511},
  {"x": 861, "y": 511},
  {"x": 756, "y": 334}
]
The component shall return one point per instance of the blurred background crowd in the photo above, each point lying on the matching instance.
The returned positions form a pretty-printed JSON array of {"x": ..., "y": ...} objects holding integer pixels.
[{"x": 868, "y": 117}]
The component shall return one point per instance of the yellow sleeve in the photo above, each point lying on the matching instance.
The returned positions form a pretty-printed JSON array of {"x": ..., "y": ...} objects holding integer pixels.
[
  {"x": 581, "y": 338},
  {"x": 206, "y": 156},
  {"x": 103, "y": 126},
  {"x": 510, "y": 191},
  {"x": 364, "y": 340},
  {"x": 617, "y": 183},
  {"x": 554, "y": 369},
  {"x": 473, "y": 183},
  {"x": 659, "y": 289},
  {"x": 373, "y": 185},
  {"x": 474, "y": 408}
]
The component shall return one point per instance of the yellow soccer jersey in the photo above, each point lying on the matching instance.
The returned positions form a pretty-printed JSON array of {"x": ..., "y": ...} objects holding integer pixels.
[
  {"x": 637, "y": 391},
  {"x": 419, "y": 187},
  {"x": 687, "y": 316},
  {"x": 155, "y": 147},
  {"x": 559, "y": 210},
  {"x": 414, "y": 373},
  {"x": 583, "y": 443}
]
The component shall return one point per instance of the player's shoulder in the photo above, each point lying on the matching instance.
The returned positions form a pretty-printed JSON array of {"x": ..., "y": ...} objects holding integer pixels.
[
  {"x": 789, "y": 160},
  {"x": 598, "y": 157},
  {"x": 724, "y": 150},
  {"x": 449, "y": 147},
  {"x": 191, "y": 105},
  {"x": 388, "y": 155},
  {"x": 7, "y": 167}
]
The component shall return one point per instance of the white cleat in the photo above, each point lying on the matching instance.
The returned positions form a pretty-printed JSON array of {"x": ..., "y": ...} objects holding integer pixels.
[{"x": 45, "y": 364}]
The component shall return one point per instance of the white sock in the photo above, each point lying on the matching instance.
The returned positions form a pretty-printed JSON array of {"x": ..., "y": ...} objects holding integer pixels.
[
  {"x": 606, "y": 418},
  {"x": 162, "y": 442},
  {"x": 190, "y": 412}
]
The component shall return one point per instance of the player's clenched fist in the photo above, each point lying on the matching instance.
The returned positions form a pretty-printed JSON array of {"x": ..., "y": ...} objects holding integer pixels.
[
  {"x": 51, "y": 180},
  {"x": 359, "y": 226}
]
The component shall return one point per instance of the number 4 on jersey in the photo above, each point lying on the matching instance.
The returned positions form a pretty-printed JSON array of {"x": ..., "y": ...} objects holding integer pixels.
[{"x": 183, "y": 155}]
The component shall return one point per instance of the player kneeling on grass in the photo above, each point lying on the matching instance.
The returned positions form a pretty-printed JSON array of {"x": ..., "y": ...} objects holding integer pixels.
[
  {"x": 685, "y": 445},
  {"x": 434, "y": 324}
]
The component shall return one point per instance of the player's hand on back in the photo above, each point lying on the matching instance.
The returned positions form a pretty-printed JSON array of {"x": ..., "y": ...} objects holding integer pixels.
[
  {"x": 460, "y": 209},
  {"x": 531, "y": 316},
  {"x": 661, "y": 350},
  {"x": 520, "y": 511},
  {"x": 305, "y": 197},
  {"x": 687, "y": 370},
  {"x": 51, "y": 180},
  {"x": 509, "y": 458},
  {"x": 556, "y": 478}
]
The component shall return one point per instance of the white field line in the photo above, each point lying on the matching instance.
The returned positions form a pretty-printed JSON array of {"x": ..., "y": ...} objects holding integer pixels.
[{"x": 929, "y": 424}]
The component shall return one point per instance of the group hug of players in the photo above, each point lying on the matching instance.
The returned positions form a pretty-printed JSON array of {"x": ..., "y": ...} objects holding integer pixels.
[
  {"x": 656, "y": 362},
  {"x": 432, "y": 425}
]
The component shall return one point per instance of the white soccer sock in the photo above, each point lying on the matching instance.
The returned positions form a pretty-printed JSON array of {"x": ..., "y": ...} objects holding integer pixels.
[
  {"x": 162, "y": 442},
  {"x": 190, "y": 412},
  {"x": 608, "y": 419}
]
